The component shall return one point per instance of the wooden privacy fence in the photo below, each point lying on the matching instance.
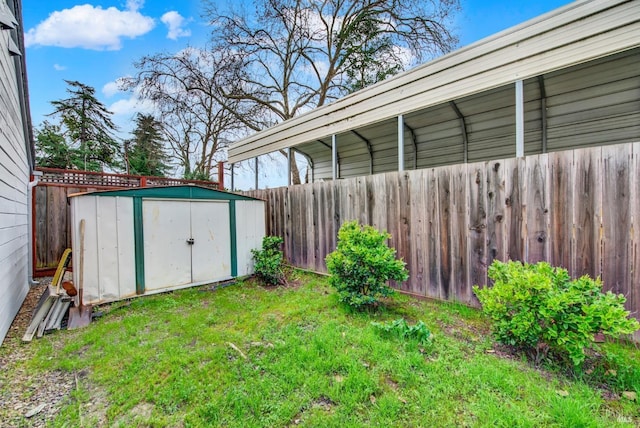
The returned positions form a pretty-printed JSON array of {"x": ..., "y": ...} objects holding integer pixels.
[
  {"x": 51, "y": 211},
  {"x": 576, "y": 209}
]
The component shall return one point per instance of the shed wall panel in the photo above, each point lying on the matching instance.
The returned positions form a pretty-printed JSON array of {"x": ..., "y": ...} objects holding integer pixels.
[
  {"x": 250, "y": 229},
  {"x": 109, "y": 261}
]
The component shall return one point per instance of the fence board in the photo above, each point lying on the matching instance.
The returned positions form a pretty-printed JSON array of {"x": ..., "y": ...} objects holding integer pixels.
[
  {"x": 577, "y": 209},
  {"x": 42, "y": 244},
  {"x": 587, "y": 213},
  {"x": 536, "y": 209},
  {"x": 405, "y": 242},
  {"x": 496, "y": 223},
  {"x": 432, "y": 231},
  {"x": 633, "y": 297},
  {"x": 561, "y": 169},
  {"x": 418, "y": 257},
  {"x": 616, "y": 221},
  {"x": 477, "y": 230},
  {"x": 515, "y": 184},
  {"x": 459, "y": 229},
  {"x": 446, "y": 234}
]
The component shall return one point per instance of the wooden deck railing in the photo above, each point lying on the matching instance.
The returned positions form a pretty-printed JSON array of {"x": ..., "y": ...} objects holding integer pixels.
[{"x": 106, "y": 180}]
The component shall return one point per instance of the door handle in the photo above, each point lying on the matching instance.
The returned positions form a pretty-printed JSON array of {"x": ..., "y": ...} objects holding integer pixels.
[{"x": 190, "y": 241}]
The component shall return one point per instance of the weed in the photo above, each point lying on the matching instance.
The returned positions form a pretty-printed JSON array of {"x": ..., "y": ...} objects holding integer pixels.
[{"x": 399, "y": 328}]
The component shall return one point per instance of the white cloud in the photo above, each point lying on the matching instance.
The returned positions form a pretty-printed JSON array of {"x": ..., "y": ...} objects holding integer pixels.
[
  {"x": 175, "y": 23},
  {"x": 90, "y": 27},
  {"x": 58, "y": 67},
  {"x": 110, "y": 89},
  {"x": 135, "y": 5},
  {"x": 130, "y": 106}
]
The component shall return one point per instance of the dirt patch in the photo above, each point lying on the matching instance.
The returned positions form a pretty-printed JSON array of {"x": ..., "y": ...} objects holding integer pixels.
[
  {"x": 323, "y": 403},
  {"x": 23, "y": 318},
  {"x": 391, "y": 383},
  {"x": 22, "y": 393}
]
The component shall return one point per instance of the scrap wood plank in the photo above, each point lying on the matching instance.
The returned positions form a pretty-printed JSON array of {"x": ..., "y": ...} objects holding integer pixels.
[
  {"x": 42, "y": 309},
  {"x": 52, "y": 309}
]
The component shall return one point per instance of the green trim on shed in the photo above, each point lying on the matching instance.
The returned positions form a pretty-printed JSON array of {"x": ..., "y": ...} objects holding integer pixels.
[
  {"x": 172, "y": 192},
  {"x": 138, "y": 243},
  {"x": 233, "y": 238}
]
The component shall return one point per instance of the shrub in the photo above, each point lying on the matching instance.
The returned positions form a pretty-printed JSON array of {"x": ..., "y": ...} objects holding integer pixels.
[
  {"x": 362, "y": 264},
  {"x": 268, "y": 261},
  {"x": 399, "y": 328},
  {"x": 539, "y": 308}
]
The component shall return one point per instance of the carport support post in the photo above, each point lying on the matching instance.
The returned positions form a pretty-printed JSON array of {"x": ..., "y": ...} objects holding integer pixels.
[
  {"x": 289, "y": 156},
  {"x": 233, "y": 189},
  {"x": 334, "y": 157},
  {"x": 400, "y": 143},
  {"x": 519, "y": 119},
  {"x": 256, "y": 173}
]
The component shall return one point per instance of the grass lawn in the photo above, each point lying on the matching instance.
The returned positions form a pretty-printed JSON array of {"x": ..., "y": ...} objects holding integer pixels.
[{"x": 247, "y": 356}]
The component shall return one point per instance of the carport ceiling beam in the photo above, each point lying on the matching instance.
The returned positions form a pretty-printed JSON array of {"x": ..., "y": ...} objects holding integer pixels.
[
  {"x": 414, "y": 140},
  {"x": 331, "y": 148},
  {"x": 400, "y": 143},
  {"x": 463, "y": 130},
  {"x": 309, "y": 161},
  {"x": 519, "y": 119},
  {"x": 369, "y": 149},
  {"x": 324, "y": 144},
  {"x": 334, "y": 157},
  {"x": 543, "y": 112}
]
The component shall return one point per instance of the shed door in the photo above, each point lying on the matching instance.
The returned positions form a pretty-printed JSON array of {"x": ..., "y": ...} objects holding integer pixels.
[
  {"x": 211, "y": 249},
  {"x": 170, "y": 259},
  {"x": 167, "y": 256}
]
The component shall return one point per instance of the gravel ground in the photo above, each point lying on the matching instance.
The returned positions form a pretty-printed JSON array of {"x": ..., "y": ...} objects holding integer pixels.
[{"x": 21, "y": 392}]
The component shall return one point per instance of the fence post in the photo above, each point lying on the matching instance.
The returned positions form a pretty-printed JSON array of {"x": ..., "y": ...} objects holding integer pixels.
[
  {"x": 220, "y": 175},
  {"x": 143, "y": 181}
]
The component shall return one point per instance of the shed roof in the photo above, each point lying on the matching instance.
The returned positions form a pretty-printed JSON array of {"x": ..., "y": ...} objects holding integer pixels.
[
  {"x": 170, "y": 192},
  {"x": 575, "y": 34}
]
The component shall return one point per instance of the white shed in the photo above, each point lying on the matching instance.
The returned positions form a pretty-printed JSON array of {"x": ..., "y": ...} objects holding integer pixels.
[{"x": 149, "y": 240}]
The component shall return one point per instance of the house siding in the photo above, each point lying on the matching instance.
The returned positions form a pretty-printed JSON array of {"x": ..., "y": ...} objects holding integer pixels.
[{"x": 14, "y": 179}]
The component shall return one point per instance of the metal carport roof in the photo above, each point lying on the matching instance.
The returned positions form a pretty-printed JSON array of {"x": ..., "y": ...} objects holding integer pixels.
[{"x": 577, "y": 68}]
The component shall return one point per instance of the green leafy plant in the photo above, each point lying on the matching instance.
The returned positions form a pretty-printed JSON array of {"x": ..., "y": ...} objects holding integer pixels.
[
  {"x": 399, "y": 328},
  {"x": 268, "y": 262},
  {"x": 362, "y": 264},
  {"x": 540, "y": 309}
]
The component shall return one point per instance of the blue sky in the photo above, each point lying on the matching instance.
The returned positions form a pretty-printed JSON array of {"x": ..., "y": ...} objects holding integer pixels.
[{"x": 97, "y": 42}]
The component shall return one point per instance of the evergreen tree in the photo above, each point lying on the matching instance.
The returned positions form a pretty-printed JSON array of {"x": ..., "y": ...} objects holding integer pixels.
[
  {"x": 146, "y": 154},
  {"x": 87, "y": 125},
  {"x": 52, "y": 150}
]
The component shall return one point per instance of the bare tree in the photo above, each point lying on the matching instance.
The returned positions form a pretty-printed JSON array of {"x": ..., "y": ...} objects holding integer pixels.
[
  {"x": 292, "y": 56},
  {"x": 186, "y": 88}
]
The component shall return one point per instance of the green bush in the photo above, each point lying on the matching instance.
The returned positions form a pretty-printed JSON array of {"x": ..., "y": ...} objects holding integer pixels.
[
  {"x": 268, "y": 261},
  {"x": 539, "y": 308},
  {"x": 399, "y": 328},
  {"x": 362, "y": 264}
]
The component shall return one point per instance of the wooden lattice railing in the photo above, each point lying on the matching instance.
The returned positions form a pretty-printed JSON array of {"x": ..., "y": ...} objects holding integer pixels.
[{"x": 90, "y": 179}]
